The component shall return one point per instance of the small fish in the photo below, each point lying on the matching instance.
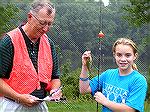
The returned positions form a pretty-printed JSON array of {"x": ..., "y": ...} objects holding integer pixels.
[{"x": 89, "y": 64}]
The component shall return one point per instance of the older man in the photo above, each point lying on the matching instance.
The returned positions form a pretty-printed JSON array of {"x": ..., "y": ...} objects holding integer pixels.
[{"x": 29, "y": 63}]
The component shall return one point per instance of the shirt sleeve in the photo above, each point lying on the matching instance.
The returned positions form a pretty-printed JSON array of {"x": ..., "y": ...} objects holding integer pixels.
[
  {"x": 137, "y": 94},
  {"x": 55, "y": 71},
  {"x": 6, "y": 56},
  {"x": 96, "y": 82}
]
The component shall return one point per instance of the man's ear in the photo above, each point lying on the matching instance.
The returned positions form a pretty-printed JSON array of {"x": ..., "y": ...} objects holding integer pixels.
[{"x": 29, "y": 15}]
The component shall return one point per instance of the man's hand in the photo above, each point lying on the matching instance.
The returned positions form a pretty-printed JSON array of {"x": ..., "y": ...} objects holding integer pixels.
[
  {"x": 27, "y": 100},
  {"x": 56, "y": 93}
]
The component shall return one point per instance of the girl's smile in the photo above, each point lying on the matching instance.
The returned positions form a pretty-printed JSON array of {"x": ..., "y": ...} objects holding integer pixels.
[{"x": 124, "y": 58}]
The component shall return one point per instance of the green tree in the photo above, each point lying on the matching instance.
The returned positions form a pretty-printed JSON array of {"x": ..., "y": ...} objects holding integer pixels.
[
  {"x": 138, "y": 12},
  {"x": 138, "y": 16},
  {"x": 8, "y": 13},
  {"x": 70, "y": 81}
]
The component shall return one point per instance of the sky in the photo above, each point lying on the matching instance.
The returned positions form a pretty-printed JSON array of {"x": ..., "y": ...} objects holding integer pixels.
[{"x": 106, "y": 2}]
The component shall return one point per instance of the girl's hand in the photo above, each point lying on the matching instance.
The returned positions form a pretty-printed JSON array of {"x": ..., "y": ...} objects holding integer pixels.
[
  {"x": 86, "y": 57},
  {"x": 100, "y": 98}
]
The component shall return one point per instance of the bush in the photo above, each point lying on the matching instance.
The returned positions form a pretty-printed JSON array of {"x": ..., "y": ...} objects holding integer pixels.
[
  {"x": 148, "y": 82},
  {"x": 70, "y": 80}
]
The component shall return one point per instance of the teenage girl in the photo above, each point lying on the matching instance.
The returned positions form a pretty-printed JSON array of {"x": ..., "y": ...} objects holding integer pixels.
[{"x": 122, "y": 89}]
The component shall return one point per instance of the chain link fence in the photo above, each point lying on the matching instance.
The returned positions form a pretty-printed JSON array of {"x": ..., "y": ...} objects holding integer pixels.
[{"x": 75, "y": 30}]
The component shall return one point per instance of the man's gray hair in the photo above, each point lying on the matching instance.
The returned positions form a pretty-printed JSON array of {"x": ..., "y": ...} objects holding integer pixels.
[{"x": 37, "y": 5}]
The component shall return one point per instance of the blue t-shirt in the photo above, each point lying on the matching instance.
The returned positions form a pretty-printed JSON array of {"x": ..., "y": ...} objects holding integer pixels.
[{"x": 130, "y": 89}]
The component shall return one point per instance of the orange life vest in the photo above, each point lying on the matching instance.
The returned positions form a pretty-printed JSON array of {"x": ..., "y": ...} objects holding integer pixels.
[{"x": 23, "y": 78}]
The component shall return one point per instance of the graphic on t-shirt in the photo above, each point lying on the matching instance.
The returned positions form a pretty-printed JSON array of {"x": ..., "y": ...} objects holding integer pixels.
[{"x": 114, "y": 93}]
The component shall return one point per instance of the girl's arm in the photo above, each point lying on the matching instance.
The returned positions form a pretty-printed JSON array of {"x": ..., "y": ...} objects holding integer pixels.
[
  {"x": 115, "y": 107},
  {"x": 84, "y": 85}
]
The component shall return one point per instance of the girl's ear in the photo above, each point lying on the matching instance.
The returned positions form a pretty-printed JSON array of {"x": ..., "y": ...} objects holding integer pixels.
[
  {"x": 114, "y": 55},
  {"x": 136, "y": 56}
]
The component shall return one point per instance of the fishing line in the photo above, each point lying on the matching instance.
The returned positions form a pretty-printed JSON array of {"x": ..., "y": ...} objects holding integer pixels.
[{"x": 99, "y": 50}]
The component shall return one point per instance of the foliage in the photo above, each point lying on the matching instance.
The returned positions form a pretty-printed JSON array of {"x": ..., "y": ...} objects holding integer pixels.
[
  {"x": 138, "y": 16},
  {"x": 7, "y": 16},
  {"x": 138, "y": 12},
  {"x": 77, "y": 24},
  {"x": 146, "y": 106},
  {"x": 148, "y": 81},
  {"x": 70, "y": 80},
  {"x": 75, "y": 30}
]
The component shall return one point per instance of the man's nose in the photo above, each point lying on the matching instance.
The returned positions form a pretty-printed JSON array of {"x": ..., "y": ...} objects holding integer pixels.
[{"x": 46, "y": 28}]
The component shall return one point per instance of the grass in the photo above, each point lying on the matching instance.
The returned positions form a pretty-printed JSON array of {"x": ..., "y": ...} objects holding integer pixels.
[
  {"x": 147, "y": 106},
  {"x": 73, "y": 106},
  {"x": 78, "y": 106}
]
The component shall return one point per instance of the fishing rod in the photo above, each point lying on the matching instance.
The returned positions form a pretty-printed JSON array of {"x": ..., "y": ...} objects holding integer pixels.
[
  {"x": 100, "y": 36},
  {"x": 99, "y": 66}
]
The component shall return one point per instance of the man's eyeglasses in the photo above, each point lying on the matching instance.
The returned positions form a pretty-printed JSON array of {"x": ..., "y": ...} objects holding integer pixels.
[{"x": 42, "y": 22}]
